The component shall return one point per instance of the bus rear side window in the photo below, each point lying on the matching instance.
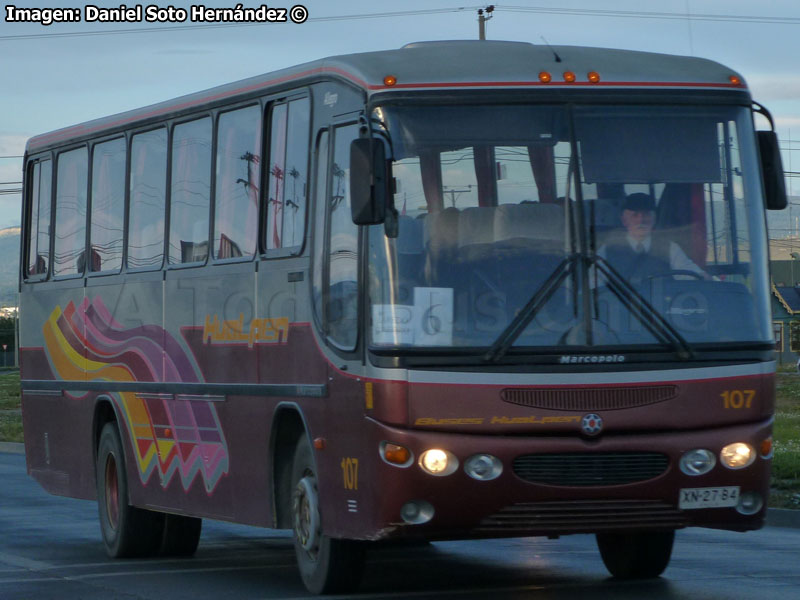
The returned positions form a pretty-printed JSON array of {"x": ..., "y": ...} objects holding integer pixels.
[
  {"x": 70, "y": 228},
  {"x": 148, "y": 187},
  {"x": 190, "y": 192},
  {"x": 108, "y": 205},
  {"x": 40, "y": 185}
]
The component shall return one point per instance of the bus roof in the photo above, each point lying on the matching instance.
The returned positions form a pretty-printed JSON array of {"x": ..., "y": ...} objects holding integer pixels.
[{"x": 443, "y": 65}]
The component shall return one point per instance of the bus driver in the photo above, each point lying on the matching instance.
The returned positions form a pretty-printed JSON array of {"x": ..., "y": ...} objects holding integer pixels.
[{"x": 637, "y": 253}]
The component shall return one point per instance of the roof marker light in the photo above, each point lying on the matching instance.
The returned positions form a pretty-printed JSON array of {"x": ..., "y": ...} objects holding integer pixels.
[
  {"x": 389, "y": 80},
  {"x": 545, "y": 77},
  {"x": 569, "y": 76},
  {"x": 593, "y": 76},
  {"x": 735, "y": 80}
]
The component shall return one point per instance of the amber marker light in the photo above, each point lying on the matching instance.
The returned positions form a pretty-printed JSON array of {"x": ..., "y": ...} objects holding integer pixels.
[
  {"x": 593, "y": 76},
  {"x": 545, "y": 77},
  {"x": 389, "y": 80},
  {"x": 395, "y": 454},
  {"x": 569, "y": 76},
  {"x": 765, "y": 449},
  {"x": 735, "y": 80}
]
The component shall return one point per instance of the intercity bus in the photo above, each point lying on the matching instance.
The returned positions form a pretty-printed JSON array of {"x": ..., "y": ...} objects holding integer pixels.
[{"x": 373, "y": 297}]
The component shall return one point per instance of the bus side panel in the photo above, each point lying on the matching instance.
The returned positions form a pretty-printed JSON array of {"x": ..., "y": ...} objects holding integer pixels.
[{"x": 52, "y": 346}]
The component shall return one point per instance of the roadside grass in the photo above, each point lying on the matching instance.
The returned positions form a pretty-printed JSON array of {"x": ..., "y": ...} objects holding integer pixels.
[
  {"x": 9, "y": 391},
  {"x": 10, "y": 418},
  {"x": 786, "y": 435}
]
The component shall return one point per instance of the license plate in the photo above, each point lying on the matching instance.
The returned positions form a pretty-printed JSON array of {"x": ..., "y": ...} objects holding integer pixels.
[{"x": 710, "y": 497}]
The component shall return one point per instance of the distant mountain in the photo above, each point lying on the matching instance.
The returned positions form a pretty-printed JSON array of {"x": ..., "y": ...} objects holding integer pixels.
[{"x": 9, "y": 265}]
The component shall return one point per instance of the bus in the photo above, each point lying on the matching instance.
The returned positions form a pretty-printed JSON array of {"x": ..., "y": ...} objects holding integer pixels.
[{"x": 382, "y": 297}]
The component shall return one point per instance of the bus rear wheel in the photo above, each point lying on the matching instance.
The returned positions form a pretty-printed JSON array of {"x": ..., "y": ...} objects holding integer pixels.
[
  {"x": 640, "y": 555},
  {"x": 326, "y": 565},
  {"x": 127, "y": 531}
]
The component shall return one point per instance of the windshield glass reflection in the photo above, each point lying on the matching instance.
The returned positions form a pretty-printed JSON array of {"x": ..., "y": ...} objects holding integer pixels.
[{"x": 494, "y": 203}]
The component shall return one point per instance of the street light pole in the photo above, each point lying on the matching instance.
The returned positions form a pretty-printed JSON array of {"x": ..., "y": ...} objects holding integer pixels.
[{"x": 482, "y": 20}]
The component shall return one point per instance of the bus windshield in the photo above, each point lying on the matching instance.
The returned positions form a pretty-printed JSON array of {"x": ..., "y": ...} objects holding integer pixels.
[{"x": 575, "y": 227}]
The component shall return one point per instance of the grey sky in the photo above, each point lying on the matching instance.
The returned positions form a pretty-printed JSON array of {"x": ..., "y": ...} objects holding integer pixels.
[{"x": 53, "y": 82}]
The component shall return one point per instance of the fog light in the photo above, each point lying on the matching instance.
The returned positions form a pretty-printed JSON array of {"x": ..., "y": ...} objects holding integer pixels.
[
  {"x": 750, "y": 503},
  {"x": 737, "y": 455},
  {"x": 697, "y": 462},
  {"x": 483, "y": 467},
  {"x": 438, "y": 462},
  {"x": 416, "y": 512}
]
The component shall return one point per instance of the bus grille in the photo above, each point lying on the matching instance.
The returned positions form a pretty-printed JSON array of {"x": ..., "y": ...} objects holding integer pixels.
[
  {"x": 590, "y": 469},
  {"x": 588, "y": 399},
  {"x": 582, "y": 516}
]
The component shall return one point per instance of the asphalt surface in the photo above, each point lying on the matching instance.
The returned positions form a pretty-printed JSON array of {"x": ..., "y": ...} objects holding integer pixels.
[{"x": 50, "y": 548}]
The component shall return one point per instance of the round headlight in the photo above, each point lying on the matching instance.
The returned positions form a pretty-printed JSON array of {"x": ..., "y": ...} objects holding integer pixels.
[
  {"x": 698, "y": 461},
  {"x": 438, "y": 462},
  {"x": 737, "y": 455},
  {"x": 483, "y": 467}
]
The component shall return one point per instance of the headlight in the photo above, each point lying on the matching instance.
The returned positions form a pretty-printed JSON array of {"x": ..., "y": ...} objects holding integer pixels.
[
  {"x": 737, "y": 455},
  {"x": 483, "y": 467},
  {"x": 697, "y": 461},
  {"x": 438, "y": 462}
]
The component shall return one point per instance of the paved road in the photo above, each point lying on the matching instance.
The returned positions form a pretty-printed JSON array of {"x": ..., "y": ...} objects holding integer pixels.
[{"x": 50, "y": 548}]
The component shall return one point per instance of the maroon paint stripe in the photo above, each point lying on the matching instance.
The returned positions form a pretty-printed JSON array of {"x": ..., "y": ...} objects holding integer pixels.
[{"x": 450, "y": 84}]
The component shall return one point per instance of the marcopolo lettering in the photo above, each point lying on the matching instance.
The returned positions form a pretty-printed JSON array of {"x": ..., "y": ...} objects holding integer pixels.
[{"x": 591, "y": 359}]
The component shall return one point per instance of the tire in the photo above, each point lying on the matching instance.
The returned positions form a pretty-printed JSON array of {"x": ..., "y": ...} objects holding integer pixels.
[
  {"x": 326, "y": 565},
  {"x": 642, "y": 555},
  {"x": 181, "y": 535},
  {"x": 127, "y": 531}
]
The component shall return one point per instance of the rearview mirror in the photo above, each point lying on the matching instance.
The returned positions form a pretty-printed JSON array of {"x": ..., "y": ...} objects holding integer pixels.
[
  {"x": 368, "y": 181},
  {"x": 772, "y": 170}
]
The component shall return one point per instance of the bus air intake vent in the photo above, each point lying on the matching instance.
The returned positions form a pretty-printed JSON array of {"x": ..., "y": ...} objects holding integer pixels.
[
  {"x": 581, "y": 516},
  {"x": 583, "y": 470},
  {"x": 589, "y": 399}
]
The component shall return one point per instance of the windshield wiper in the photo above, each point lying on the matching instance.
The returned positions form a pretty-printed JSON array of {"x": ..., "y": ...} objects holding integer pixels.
[
  {"x": 640, "y": 308},
  {"x": 630, "y": 298},
  {"x": 529, "y": 311}
]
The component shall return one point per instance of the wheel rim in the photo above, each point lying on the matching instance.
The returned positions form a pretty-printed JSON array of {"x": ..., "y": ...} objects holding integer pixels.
[
  {"x": 112, "y": 492},
  {"x": 305, "y": 510}
]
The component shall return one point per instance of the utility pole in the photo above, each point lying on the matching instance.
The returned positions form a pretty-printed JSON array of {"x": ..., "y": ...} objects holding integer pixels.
[{"x": 482, "y": 20}]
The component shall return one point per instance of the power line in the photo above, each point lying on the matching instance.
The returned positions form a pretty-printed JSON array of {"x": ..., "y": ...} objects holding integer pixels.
[{"x": 637, "y": 14}]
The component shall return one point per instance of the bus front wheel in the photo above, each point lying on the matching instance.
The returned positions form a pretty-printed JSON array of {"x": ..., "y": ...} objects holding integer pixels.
[
  {"x": 326, "y": 565},
  {"x": 640, "y": 555},
  {"x": 127, "y": 531}
]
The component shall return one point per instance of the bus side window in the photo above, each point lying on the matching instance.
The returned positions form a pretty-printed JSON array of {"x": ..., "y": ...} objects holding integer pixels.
[
  {"x": 288, "y": 175},
  {"x": 148, "y": 186},
  {"x": 70, "y": 219},
  {"x": 342, "y": 308},
  {"x": 190, "y": 191},
  {"x": 40, "y": 186},
  {"x": 238, "y": 181},
  {"x": 108, "y": 205}
]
